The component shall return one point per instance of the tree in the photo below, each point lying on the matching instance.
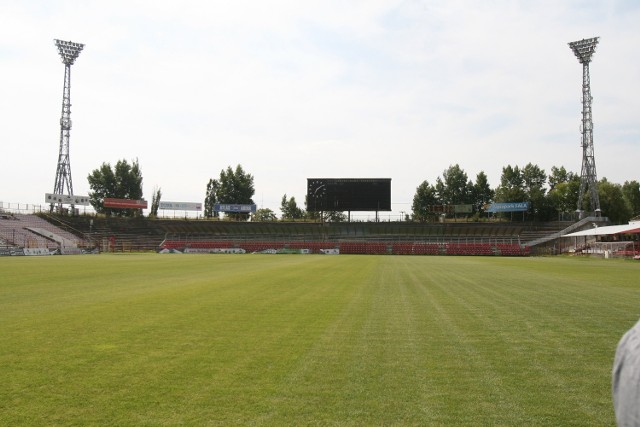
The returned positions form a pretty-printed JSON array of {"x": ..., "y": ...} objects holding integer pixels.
[
  {"x": 290, "y": 209},
  {"x": 511, "y": 188},
  {"x": 233, "y": 187},
  {"x": 210, "y": 199},
  {"x": 563, "y": 190},
  {"x": 155, "y": 201},
  {"x": 122, "y": 182},
  {"x": 264, "y": 215},
  {"x": 631, "y": 193},
  {"x": 310, "y": 214},
  {"x": 236, "y": 186},
  {"x": 481, "y": 193},
  {"x": 454, "y": 188},
  {"x": 334, "y": 216},
  {"x": 564, "y": 195},
  {"x": 559, "y": 175},
  {"x": 534, "y": 180},
  {"x": 425, "y": 196},
  {"x": 325, "y": 216},
  {"x": 612, "y": 202}
]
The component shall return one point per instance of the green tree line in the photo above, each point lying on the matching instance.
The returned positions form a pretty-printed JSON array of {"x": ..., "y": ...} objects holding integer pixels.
[{"x": 550, "y": 195}]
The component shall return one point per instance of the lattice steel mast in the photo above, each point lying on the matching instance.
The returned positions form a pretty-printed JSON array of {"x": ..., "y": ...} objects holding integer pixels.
[
  {"x": 69, "y": 51},
  {"x": 583, "y": 50}
]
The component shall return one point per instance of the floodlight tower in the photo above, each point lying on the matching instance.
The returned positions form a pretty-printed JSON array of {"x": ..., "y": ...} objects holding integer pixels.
[
  {"x": 584, "y": 49},
  {"x": 69, "y": 51}
]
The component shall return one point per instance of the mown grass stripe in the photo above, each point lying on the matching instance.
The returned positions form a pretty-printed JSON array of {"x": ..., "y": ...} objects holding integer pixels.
[{"x": 306, "y": 340}]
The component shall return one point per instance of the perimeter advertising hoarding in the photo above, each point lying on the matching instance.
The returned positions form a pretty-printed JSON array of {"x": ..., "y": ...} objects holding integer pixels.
[
  {"x": 180, "y": 206},
  {"x": 508, "y": 207},
  {"x": 349, "y": 194},
  {"x": 124, "y": 203},
  {"x": 234, "y": 208},
  {"x": 66, "y": 199},
  {"x": 463, "y": 208}
]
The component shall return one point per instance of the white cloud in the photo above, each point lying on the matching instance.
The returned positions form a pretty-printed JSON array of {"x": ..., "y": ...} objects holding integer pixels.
[{"x": 290, "y": 90}]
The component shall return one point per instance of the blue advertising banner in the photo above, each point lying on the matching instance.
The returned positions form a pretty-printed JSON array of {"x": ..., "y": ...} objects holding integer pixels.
[
  {"x": 229, "y": 208},
  {"x": 508, "y": 207}
]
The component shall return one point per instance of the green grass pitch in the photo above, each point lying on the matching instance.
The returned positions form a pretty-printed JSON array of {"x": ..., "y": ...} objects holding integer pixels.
[{"x": 311, "y": 340}]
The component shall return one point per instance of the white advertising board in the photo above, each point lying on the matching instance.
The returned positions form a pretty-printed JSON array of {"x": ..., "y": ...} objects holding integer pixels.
[
  {"x": 180, "y": 206},
  {"x": 330, "y": 251},
  {"x": 214, "y": 251},
  {"x": 65, "y": 199}
]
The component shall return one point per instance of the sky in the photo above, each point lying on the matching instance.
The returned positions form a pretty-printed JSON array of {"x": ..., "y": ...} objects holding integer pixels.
[{"x": 291, "y": 90}]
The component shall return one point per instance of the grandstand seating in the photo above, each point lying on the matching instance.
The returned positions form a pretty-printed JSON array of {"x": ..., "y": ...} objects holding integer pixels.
[
  {"x": 210, "y": 244},
  {"x": 510, "y": 249},
  {"x": 359, "y": 247},
  {"x": 259, "y": 246},
  {"x": 247, "y": 245},
  {"x": 31, "y": 231},
  {"x": 427, "y": 248},
  {"x": 314, "y": 247},
  {"x": 363, "y": 247},
  {"x": 399, "y": 238},
  {"x": 469, "y": 249},
  {"x": 402, "y": 248},
  {"x": 416, "y": 248}
]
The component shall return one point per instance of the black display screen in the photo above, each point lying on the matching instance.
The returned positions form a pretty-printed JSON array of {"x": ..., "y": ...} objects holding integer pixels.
[{"x": 348, "y": 194}]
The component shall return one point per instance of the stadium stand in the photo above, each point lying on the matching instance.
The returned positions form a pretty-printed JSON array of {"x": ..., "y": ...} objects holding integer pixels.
[
  {"x": 398, "y": 238},
  {"x": 31, "y": 231},
  {"x": 506, "y": 249},
  {"x": 357, "y": 238},
  {"x": 363, "y": 248},
  {"x": 469, "y": 249},
  {"x": 427, "y": 249}
]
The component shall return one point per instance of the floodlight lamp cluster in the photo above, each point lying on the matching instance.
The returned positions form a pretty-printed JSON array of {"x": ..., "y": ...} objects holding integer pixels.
[
  {"x": 583, "y": 49},
  {"x": 69, "y": 51}
]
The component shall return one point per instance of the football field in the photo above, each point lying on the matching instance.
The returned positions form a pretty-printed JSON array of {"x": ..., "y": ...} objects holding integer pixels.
[{"x": 149, "y": 339}]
